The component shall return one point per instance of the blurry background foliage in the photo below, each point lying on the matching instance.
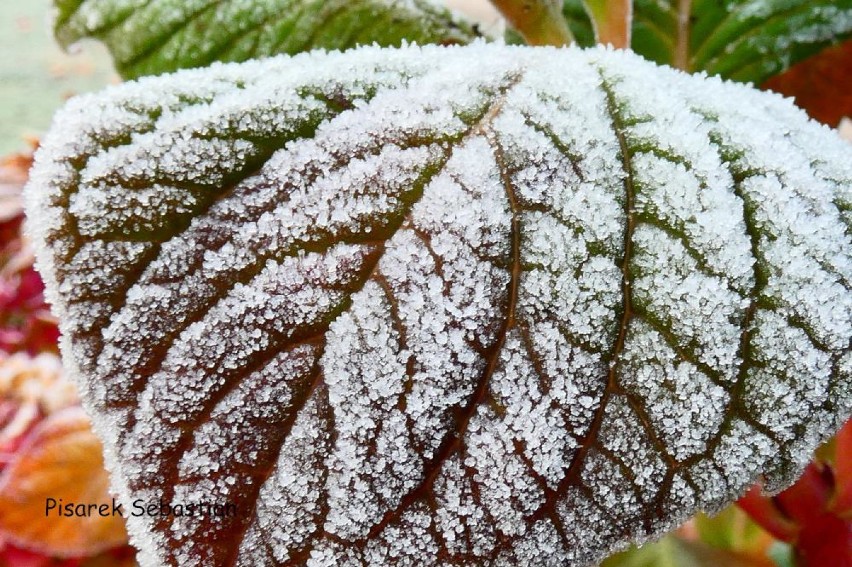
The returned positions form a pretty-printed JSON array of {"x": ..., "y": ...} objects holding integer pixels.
[
  {"x": 752, "y": 42},
  {"x": 36, "y": 76}
]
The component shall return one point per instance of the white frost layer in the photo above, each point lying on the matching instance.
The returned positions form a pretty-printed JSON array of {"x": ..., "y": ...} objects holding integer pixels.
[{"x": 430, "y": 305}]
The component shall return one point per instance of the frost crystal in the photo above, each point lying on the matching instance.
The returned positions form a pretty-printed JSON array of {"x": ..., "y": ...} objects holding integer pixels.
[{"x": 430, "y": 306}]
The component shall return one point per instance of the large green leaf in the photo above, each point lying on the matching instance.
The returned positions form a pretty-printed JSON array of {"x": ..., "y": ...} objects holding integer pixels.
[
  {"x": 149, "y": 37},
  {"x": 431, "y": 306},
  {"x": 744, "y": 40}
]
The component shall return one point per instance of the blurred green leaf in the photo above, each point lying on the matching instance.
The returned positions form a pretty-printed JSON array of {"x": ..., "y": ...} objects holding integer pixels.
[
  {"x": 728, "y": 539},
  {"x": 732, "y": 530},
  {"x": 744, "y": 40},
  {"x": 579, "y": 22},
  {"x": 674, "y": 551},
  {"x": 149, "y": 37}
]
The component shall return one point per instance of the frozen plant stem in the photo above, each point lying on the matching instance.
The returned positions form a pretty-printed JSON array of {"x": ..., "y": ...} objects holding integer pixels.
[
  {"x": 539, "y": 21},
  {"x": 612, "y": 20}
]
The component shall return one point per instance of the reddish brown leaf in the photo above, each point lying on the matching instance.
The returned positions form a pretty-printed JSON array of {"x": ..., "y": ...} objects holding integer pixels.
[{"x": 822, "y": 84}]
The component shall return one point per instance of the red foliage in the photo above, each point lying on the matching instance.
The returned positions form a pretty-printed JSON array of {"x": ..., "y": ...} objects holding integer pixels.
[
  {"x": 32, "y": 387},
  {"x": 25, "y": 320},
  {"x": 815, "y": 514}
]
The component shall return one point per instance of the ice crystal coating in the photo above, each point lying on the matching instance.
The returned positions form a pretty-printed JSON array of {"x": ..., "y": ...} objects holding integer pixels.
[{"x": 445, "y": 306}]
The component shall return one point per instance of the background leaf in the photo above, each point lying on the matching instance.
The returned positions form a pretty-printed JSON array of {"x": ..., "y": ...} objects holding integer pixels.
[
  {"x": 732, "y": 530},
  {"x": 821, "y": 84},
  {"x": 579, "y": 22},
  {"x": 149, "y": 37},
  {"x": 62, "y": 460},
  {"x": 399, "y": 307},
  {"x": 743, "y": 40},
  {"x": 672, "y": 551}
]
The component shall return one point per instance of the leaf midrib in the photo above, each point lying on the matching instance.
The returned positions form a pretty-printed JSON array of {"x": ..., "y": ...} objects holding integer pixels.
[
  {"x": 454, "y": 437},
  {"x": 572, "y": 474}
]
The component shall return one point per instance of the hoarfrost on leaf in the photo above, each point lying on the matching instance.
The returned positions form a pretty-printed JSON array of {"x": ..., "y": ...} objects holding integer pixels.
[{"x": 399, "y": 307}]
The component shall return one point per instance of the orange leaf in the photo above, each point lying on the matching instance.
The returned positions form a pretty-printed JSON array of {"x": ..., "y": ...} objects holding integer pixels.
[{"x": 62, "y": 461}]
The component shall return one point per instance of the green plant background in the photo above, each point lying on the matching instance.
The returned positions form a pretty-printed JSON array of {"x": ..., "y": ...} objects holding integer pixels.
[{"x": 35, "y": 75}]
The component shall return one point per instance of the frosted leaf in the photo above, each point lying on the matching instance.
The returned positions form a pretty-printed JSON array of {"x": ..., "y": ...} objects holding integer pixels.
[
  {"x": 743, "y": 40},
  {"x": 429, "y": 306},
  {"x": 149, "y": 37}
]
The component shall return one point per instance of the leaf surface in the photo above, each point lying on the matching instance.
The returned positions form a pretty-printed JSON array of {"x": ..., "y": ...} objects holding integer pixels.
[
  {"x": 743, "y": 40},
  {"x": 516, "y": 312},
  {"x": 150, "y": 37}
]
